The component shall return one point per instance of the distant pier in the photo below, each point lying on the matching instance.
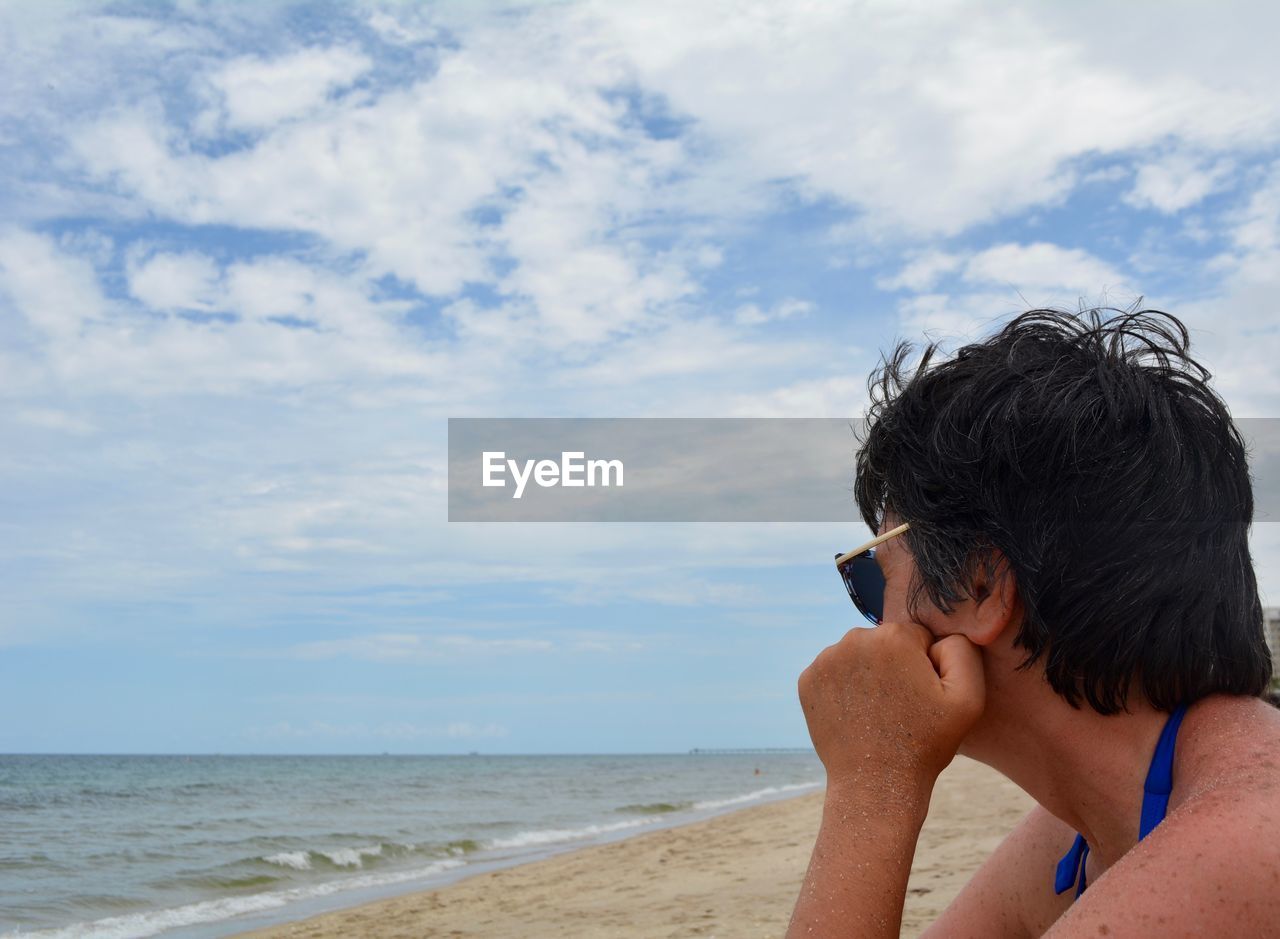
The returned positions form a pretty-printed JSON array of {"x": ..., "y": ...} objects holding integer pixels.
[{"x": 720, "y": 751}]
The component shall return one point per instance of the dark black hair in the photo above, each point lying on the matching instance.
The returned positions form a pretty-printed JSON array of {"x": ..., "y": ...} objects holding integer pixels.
[{"x": 1090, "y": 451}]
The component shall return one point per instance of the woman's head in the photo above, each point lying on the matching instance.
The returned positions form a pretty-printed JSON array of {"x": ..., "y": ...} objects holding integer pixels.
[{"x": 1086, "y": 457}]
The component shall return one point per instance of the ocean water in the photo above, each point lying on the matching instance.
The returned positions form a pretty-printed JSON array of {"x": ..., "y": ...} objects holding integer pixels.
[{"x": 203, "y": 846}]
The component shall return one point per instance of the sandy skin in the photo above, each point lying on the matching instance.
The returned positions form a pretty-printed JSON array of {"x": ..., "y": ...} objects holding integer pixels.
[{"x": 737, "y": 875}]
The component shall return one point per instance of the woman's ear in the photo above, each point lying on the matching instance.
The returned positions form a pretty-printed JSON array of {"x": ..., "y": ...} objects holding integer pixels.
[{"x": 993, "y": 605}]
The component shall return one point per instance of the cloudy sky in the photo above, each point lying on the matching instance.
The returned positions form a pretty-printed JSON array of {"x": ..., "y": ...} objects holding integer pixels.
[{"x": 253, "y": 256}]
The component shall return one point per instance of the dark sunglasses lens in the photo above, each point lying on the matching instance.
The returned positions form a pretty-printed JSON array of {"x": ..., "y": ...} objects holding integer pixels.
[{"x": 866, "y": 585}]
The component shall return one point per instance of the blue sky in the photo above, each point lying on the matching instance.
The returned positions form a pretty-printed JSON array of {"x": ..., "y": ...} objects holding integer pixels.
[{"x": 253, "y": 256}]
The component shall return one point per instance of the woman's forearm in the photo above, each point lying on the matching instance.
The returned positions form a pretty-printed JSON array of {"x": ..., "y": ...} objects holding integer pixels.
[{"x": 857, "y": 878}]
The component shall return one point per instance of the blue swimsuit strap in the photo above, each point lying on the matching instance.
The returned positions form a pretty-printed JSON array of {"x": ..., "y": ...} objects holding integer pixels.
[
  {"x": 1071, "y": 867},
  {"x": 1155, "y": 798},
  {"x": 1155, "y": 803}
]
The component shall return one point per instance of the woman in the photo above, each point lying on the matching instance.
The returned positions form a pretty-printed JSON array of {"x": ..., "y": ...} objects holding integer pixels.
[{"x": 1064, "y": 591}]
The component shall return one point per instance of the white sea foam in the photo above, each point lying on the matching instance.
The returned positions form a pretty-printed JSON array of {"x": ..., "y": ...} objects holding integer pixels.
[
  {"x": 341, "y": 857},
  {"x": 154, "y": 922},
  {"x": 298, "y": 860},
  {"x": 352, "y": 857},
  {"x": 545, "y": 836},
  {"x": 755, "y": 796},
  {"x": 531, "y": 839}
]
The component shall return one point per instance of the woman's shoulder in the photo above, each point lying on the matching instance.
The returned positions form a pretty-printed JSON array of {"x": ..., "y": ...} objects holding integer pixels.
[
  {"x": 1213, "y": 865},
  {"x": 1229, "y": 748}
]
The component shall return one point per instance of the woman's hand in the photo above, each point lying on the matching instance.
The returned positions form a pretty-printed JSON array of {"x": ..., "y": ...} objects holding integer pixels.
[{"x": 891, "y": 705}]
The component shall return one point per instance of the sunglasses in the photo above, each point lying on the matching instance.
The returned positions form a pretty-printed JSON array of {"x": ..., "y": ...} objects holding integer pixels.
[{"x": 862, "y": 576}]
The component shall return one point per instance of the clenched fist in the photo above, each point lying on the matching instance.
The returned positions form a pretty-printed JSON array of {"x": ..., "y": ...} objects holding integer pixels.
[{"x": 891, "y": 704}]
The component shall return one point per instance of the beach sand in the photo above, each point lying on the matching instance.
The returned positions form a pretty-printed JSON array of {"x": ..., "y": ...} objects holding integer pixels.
[{"x": 734, "y": 876}]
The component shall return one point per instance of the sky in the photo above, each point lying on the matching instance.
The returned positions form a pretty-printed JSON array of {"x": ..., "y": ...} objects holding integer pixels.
[{"x": 253, "y": 256}]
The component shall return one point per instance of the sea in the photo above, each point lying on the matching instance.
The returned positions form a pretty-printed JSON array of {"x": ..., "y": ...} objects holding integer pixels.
[{"x": 206, "y": 846}]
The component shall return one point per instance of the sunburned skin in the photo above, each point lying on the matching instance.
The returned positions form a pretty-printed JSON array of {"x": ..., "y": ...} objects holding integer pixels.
[{"x": 1213, "y": 856}]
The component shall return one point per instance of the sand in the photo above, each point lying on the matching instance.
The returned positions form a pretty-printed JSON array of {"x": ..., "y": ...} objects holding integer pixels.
[{"x": 734, "y": 876}]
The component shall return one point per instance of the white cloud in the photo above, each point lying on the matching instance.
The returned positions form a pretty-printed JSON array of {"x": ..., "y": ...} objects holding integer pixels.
[
  {"x": 57, "y": 293},
  {"x": 386, "y": 731},
  {"x": 1042, "y": 268},
  {"x": 55, "y": 419},
  {"x": 168, "y": 281},
  {"x": 1106, "y": 174},
  {"x": 518, "y": 123},
  {"x": 1176, "y": 182},
  {"x": 412, "y": 648},
  {"x": 585, "y": 284},
  {"x": 682, "y": 349},
  {"x": 1002, "y": 280},
  {"x": 280, "y": 287},
  {"x": 95, "y": 344},
  {"x": 509, "y": 156},
  {"x": 922, "y": 271},
  {"x": 1238, "y": 323},
  {"x": 927, "y": 118},
  {"x": 260, "y": 93},
  {"x": 751, "y": 314},
  {"x": 664, "y": 589},
  {"x": 405, "y": 26},
  {"x": 841, "y": 396},
  {"x": 466, "y": 730},
  {"x": 957, "y": 317},
  {"x": 1255, "y": 231}
]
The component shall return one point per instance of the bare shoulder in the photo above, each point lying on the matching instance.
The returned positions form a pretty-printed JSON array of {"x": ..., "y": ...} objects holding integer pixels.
[
  {"x": 1212, "y": 867},
  {"x": 1012, "y": 895},
  {"x": 1213, "y": 864}
]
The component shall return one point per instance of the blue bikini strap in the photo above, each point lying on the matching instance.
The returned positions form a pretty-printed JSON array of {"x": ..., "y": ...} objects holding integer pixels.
[
  {"x": 1155, "y": 799},
  {"x": 1155, "y": 803},
  {"x": 1071, "y": 868}
]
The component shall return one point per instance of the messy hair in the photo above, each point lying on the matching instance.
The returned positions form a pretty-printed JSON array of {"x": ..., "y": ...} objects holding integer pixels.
[{"x": 1086, "y": 455}]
